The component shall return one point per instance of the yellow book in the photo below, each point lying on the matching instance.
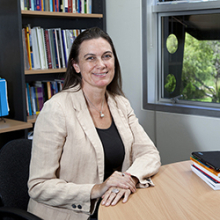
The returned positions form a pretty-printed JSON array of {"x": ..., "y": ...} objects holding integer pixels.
[
  {"x": 42, "y": 5},
  {"x": 48, "y": 90},
  {"x": 28, "y": 46}
]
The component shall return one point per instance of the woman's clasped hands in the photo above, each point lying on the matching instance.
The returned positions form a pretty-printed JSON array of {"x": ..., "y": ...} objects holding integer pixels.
[
  {"x": 118, "y": 185},
  {"x": 124, "y": 189}
]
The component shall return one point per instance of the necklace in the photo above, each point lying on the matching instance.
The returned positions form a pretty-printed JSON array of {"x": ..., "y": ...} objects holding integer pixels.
[{"x": 101, "y": 114}]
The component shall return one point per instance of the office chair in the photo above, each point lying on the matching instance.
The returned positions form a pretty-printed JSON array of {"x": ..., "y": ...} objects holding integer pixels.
[{"x": 14, "y": 172}]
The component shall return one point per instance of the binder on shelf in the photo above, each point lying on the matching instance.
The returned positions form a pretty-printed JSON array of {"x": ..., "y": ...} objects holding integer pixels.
[{"x": 4, "y": 108}]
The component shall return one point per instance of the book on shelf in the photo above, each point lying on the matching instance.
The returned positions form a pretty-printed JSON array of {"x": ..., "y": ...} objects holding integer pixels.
[
  {"x": 35, "y": 46},
  {"x": 33, "y": 100},
  {"x": 22, "y": 4},
  {"x": 4, "y": 107},
  {"x": 26, "y": 62},
  {"x": 27, "y": 40},
  {"x": 39, "y": 92},
  {"x": 29, "y": 106},
  {"x": 210, "y": 181},
  {"x": 47, "y": 48},
  {"x": 68, "y": 6}
]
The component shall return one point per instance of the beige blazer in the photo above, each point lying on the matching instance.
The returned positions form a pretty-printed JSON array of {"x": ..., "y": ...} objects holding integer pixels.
[{"x": 68, "y": 159}]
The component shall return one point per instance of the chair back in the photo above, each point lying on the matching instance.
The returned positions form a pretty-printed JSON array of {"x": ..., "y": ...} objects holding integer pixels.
[{"x": 14, "y": 172}]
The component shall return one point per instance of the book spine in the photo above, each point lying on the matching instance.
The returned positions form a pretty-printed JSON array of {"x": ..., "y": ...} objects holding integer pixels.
[
  {"x": 203, "y": 177},
  {"x": 74, "y": 6},
  {"x": 22, "y": 4},
  {"x": 206, "y": 167},
  {"x": 56, "y": 49},
  {"x": 70, "y": 6},
  {"x": 51, "y": 41},
  {"x": 32, "y": 5},
  {"x": 33, "y": 100},
  {"x": 40, "y": 97},
  {"x": 37, "y": 101},
  {"x": 31, "y": 47},
  {"x": 27, "y": 105},
  {"x": 49, "y": 95},
  {"x": 49, "y": 61},
  {"x": 44, "y": 49},
  {"x": 64, "y": 46},
  {"x": 45, "y": 94},
  {"x": 28, "y": 46},
  {"x": 66, "y": 5},
  {"x": 26, "y": 63},
  {"x": 89, "y": 6},
  {"x": 29, "y": 98},
  {"x": 203, "y": 170},
  {"x": 42, "y": 5},
  {"x": 51, "y": 5},
  {"x": 82, "y": 10},
  {"x": 58, "y": 5},
  {"x": 78, "y": 6},
  {"x": 38, "y": 5},
  {"x": 4, "y": 108}
]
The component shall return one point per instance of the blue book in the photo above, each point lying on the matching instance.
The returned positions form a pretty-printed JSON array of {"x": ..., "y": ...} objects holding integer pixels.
[
  {"x": 79, "y": 6},
  {"x": 3, "y": 98},
  {"x": 38, "y": 5},
  {"x": 29, "y": 99},
  {"x": 32, "y": 5},
  {"x": 33, "y": 99},
  {"x": 51, "y": 5},
  {"x": 64, "y": 47}
]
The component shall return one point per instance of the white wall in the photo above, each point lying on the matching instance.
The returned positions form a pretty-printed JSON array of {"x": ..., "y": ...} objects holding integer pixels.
[
  {"x": 175, "y": 135},
  {"x": 124, "y": 27}
]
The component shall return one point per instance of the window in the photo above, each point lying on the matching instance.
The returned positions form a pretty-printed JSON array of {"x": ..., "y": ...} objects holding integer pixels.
[{"x": 183, "y": 56}]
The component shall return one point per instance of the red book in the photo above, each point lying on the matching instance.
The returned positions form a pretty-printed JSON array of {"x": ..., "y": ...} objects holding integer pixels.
[
  {"x": 48, "y": 49},
  {"x": 70, "y": 6},
  {"x": 54, "y": 5}
]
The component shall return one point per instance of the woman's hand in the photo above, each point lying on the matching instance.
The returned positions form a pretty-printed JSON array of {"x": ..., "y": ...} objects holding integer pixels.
[
  {"x": 116, "y": 180},
  {"x": 112, "y": 197}
]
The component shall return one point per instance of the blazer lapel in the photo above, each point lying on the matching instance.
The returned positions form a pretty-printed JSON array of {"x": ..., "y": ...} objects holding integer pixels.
[{"x": 85, "y": 119}]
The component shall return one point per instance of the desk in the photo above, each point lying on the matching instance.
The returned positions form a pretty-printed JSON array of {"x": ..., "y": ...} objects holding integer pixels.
[
  {"x": 13, "y": 125},
  {"x": 178, "y": 194}
]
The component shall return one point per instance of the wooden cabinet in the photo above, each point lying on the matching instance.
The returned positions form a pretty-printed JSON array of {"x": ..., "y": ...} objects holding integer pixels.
[{"x": 12, "y": 19}]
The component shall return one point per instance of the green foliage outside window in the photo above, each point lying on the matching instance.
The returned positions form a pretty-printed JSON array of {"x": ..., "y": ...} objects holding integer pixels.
[{"x": 201, "y": 70}]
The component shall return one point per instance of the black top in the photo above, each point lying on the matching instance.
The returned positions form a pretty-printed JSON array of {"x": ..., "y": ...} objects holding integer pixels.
[
  {"x": 113, "y": 146},
  {"x": 114, "y": 153}
]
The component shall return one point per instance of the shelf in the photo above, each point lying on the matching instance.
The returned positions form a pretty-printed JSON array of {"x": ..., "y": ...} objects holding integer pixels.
[
  {"x": 31, "y": 118},
  {"x": 60, "y": 14},
  {"x": 44, "y": 71},
  {"x": 8, "y": 125}
]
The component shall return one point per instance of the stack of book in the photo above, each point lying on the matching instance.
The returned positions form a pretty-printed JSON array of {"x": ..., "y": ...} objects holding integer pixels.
[
  {"x": 206, "y": 172},
  {"x": 47, "y": 48},
  {"x": 39, "y": 92},
  {"x": 70, "y": 6}
]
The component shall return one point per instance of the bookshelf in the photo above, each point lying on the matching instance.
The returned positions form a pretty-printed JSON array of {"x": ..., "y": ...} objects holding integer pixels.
[{"x": 12, "y": 19}]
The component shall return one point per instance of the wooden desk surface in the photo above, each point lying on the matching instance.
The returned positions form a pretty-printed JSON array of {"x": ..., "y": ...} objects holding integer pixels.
[
  {"x": 13, "y": 125},
  {"x": 178, "y": 194}
]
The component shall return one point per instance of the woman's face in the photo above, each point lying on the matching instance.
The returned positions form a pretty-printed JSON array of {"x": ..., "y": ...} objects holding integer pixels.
[{"x": 96, "y": 63}]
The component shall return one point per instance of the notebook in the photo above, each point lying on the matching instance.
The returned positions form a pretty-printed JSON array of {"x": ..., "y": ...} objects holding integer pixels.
[{"x": 210, "y": 158}]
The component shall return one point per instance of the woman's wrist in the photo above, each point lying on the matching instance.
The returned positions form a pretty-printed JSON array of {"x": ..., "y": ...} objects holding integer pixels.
[{"x": 136, "y": 180}]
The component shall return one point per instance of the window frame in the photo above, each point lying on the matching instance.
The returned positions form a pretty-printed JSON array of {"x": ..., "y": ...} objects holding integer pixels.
[{"x": 151, "y": 53}]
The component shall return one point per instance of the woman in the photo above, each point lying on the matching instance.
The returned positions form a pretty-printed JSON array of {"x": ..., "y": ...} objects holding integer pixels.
[{"x": 87, "y": 141}]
